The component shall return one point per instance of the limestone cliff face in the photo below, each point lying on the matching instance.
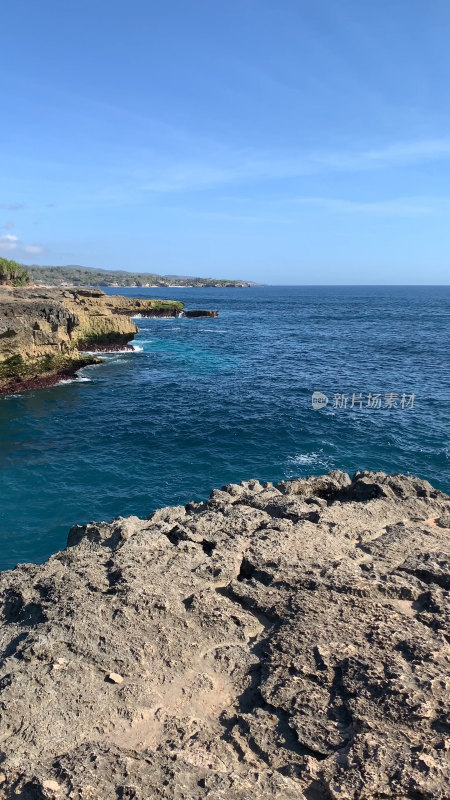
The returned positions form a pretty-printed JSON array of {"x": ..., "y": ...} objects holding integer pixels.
[
  {"x": 107, "y": 318},
  {"x": 42, "y": 331},
  {"x": 35, "y": 327},
  {"x": 285, "y": 642}
]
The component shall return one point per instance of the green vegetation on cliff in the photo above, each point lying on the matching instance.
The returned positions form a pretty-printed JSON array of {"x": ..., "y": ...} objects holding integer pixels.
[
  {"x": 17, "y": 373},
  {"x": 87, "y": 276},
  {"x": 13, "y": 274}
]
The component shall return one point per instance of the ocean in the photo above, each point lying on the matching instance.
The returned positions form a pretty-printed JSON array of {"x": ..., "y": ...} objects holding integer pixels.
[{"x": 204, "y": 402}]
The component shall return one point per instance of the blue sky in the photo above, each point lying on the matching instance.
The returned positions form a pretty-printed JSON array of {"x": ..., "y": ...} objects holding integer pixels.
[{"x": 282, "y": 141}]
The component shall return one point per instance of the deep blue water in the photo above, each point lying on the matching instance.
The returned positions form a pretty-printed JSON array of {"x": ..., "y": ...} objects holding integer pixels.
[{"x": 209, "y": 401}]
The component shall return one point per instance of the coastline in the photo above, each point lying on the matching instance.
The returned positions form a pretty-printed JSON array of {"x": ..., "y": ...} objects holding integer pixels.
[
  {"x": 43, "y": 332},
  {"x": 200, "y": 406},
  {"x": 45, "y": 381}
]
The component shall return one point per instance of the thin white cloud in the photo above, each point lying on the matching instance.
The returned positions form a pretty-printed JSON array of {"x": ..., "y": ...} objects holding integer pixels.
[
  {"x": 252, "y": 165},
  {"x": 12, "y": 244},
  {"x": 157, "y": 173},
  {"x": 8, "y": 226},
  {"x": 33, "y": 248},
  {"x": 393, "y": 155},
  {"x": 397, "y": 207},
  {"x": 8, "y": 242}
]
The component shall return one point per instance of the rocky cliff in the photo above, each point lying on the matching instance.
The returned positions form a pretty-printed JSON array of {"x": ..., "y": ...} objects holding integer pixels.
[
  {"x": 43, "y": 331},
  {"x": 286, "y": 642}
]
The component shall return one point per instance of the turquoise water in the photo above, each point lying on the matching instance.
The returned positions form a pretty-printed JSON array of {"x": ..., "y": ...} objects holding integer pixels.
[{"x": 209, "y": 401}]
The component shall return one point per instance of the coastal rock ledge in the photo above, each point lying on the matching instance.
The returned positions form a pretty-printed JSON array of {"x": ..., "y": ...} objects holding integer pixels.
[
  {"x": 45, "y": 334},
  {"x": 286, "y": 642}
]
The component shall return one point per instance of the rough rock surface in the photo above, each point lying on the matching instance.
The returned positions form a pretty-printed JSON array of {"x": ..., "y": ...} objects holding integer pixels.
[{"x": 283, "y": 642}]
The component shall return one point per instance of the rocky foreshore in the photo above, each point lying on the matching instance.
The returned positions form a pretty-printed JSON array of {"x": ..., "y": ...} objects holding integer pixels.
[
  {"x": 286, "y": 642},
  {"x": 44, "y": 331}
]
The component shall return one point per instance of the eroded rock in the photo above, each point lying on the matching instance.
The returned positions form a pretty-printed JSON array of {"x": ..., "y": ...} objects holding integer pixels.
[{"x": 278, "y": 642}]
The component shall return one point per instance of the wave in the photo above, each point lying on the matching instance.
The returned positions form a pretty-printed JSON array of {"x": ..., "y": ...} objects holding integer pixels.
[
  {"x": 304, "y": 459},
  {"x": 146, "y": 316},
  {"x": 113, "y": 352},
  {"x": 137, "y": 348},
  {"x": 76, "y": 379}
]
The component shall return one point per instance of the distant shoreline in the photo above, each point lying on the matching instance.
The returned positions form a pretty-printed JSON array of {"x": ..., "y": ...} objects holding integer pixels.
[
  {"x": 139, "y": 286},
  {"x": 75, "y": 276}
]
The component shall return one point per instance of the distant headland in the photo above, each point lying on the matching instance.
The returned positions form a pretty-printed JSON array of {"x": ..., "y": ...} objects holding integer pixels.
[{"x": 75, "y": 275}]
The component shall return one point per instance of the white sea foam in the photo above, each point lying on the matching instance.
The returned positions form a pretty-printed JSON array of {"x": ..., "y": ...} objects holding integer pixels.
[
  {"x": 139, "y": 345},
  {"x": 213, "y": 330},
  {"x": 116, "y": 351},
  {"x": 137, "y": 348},
  {"x": 305, "y": 459},
  {"x": 76, "y": 379}
]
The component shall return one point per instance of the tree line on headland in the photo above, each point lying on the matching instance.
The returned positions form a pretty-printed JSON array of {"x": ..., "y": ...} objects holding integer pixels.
[{"x": 14, "y": 274}]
